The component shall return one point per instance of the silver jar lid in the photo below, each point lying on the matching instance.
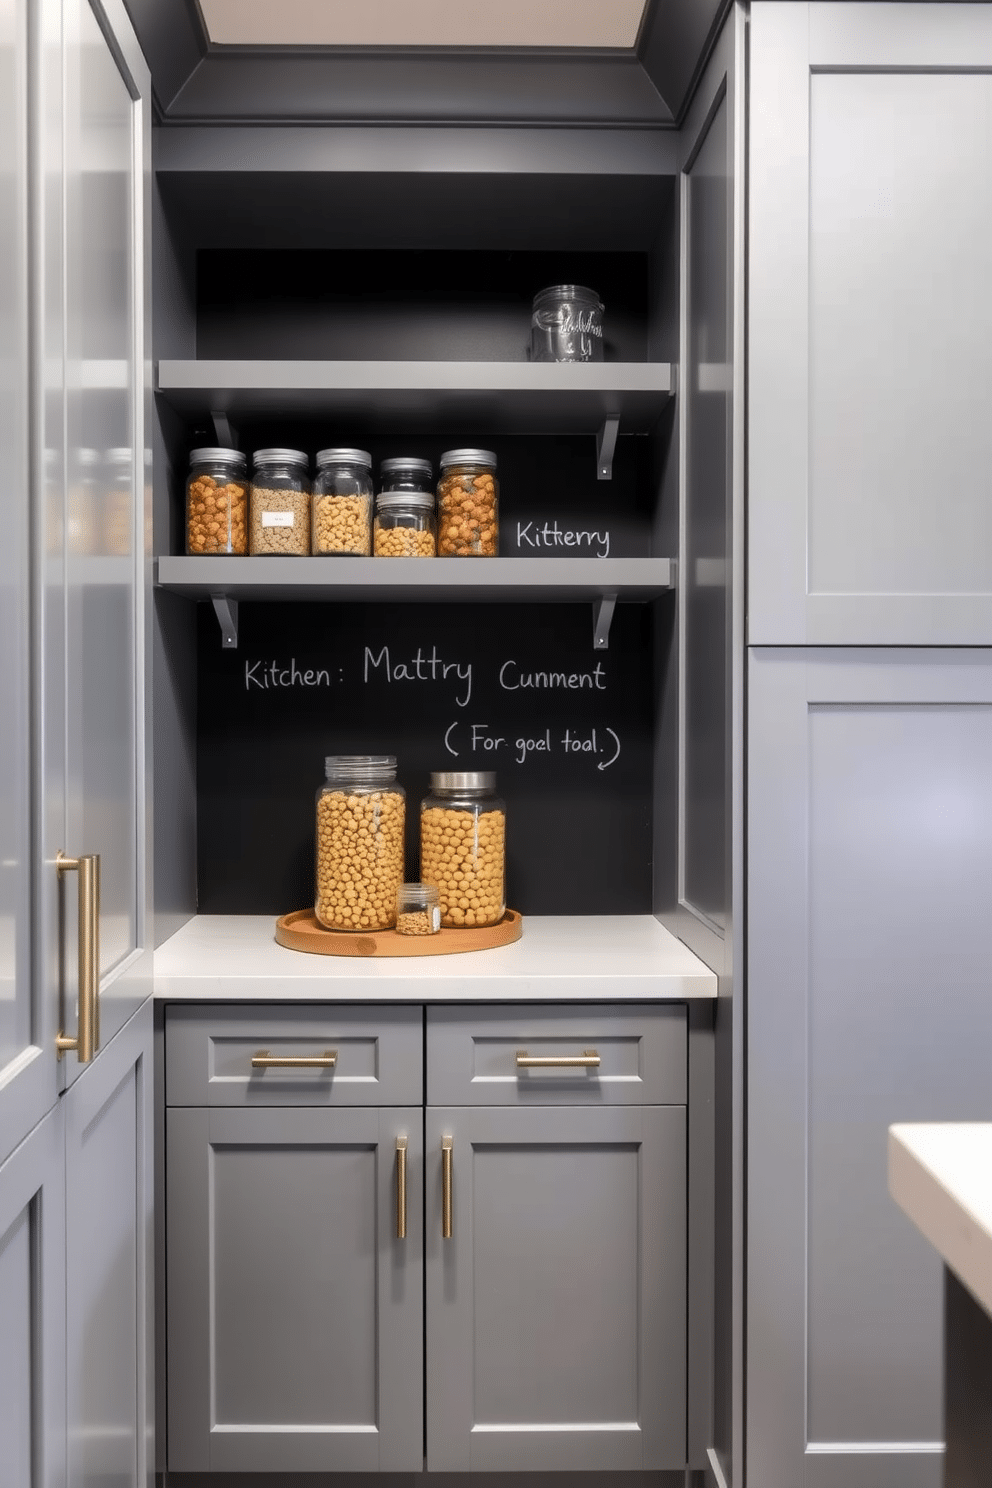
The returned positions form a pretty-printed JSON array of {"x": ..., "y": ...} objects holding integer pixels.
[
  {"x": 387, "y": 500},
  {"x": 211, "y": 453},
  {"x": 403, "y": 462},
  {"x": 468, "y": 457},
  {"x": 454, "y": 780},
  {"x": 281, "y": 457},
  {"x": 343, "y": 457}
]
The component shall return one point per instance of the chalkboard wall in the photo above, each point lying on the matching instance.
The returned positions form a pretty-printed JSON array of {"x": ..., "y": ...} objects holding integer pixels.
[{"x": 514, "y": 688}]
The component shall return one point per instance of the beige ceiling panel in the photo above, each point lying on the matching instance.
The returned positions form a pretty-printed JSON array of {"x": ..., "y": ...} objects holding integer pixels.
[{"x": 432, "y": 23}]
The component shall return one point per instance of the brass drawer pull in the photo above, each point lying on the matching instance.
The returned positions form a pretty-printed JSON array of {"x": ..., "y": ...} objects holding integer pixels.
[
  {"x": 401, "y": 1188},
  {"x": 447, "y": 1161},
  {"x": 264, "y": 1060},
  {"x": 588, "y": 1059},
  {"x": 86, "y": 1040}
]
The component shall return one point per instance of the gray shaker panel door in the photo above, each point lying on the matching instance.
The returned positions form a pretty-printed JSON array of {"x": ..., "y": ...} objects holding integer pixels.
[
  {"x": 108, "y": 1117},
  {"x": 295, "y": 1314},
  {"x": 870, "y": 321},
  {"x": 32, "y": 1311},
  {"x": 869, "y": 866},
  {"x": 556, "y": 1311}
]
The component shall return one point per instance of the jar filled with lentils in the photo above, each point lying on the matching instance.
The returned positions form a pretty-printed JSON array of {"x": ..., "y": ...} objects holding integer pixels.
[
  {"x": 342, "y": 503},
  {"x": 280, "y": 503},
  {"x": 468, "y": 505},
  {"x": 463, "y": 846},
  {"x": 217, "y": 501},
  {"x": 360, "y": 818}
]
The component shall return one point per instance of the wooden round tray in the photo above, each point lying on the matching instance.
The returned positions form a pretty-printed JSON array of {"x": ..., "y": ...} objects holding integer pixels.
[{"x": 300, "y": 931}]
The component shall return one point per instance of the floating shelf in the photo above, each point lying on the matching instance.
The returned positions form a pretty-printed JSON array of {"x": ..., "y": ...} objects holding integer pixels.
[
  {"x": 492, "y": 397},
  {"x": 388, "y": 580}
]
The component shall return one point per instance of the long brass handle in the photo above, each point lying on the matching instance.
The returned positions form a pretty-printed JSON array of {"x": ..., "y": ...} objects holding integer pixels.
[
  {"x": 87, "y": 1040},
  {"x": 588, "y": 1059},
  {"x": 401, "y": 1188},
  {"x": 264, "y": 1060},
  {"x": 447, "y": 1158}
]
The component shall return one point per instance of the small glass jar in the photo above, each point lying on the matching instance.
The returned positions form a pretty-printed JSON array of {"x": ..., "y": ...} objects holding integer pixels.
[
  {"x": 118, "y": 502},
  {"x": 463, "y": 847},
  {"x": 280, "y": 503},
  {"x": 360, "y": 818},
  {"x": 404, "y": 525},
  {"x": 468, "y": 505},
  {"x": 566, "y": 325},
  {"x": 217, "y": 501},
  {"x": 417, "y": 910},
  {"x": 342, "y": 502}
]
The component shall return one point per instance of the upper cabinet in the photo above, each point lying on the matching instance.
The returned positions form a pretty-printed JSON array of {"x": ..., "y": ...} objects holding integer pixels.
[{"x": 870, "y": 324}]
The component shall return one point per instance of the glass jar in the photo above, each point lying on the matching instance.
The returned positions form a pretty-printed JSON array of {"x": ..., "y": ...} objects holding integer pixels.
[
  {"x": 417, "y": 910},
  {"x": 342, "y": 502},
  {"x": 217, "y": 501},
  {"x": 463, "y": 846},
  {"x": 468, "y": 505},
  {"x": 360, "y": 818},
  {"x": 280, "y": 502},
  {"x": 566, "y": 325},
  {"x": 404, "y": 525}
]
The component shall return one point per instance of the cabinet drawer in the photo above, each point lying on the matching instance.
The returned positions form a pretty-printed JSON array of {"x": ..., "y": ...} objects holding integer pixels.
[
  {"x": 378, "y": 1056},
  {"x": 479, "y": 1056}
]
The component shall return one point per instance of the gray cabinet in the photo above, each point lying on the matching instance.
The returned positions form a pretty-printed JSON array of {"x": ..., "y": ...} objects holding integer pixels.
[{"x": 869, "y": 324}]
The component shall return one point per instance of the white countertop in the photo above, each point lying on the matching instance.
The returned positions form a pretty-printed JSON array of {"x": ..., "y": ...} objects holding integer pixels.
[
  {"x": 558, "y": 959},
  {"x": 941, "y": 1176}
]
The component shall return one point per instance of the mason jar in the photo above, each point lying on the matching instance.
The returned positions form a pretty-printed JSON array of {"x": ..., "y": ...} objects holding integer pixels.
[
  {"x": 217, "y": 501},
  {"x": 404, "y": 525},
  {"x": 360, "y": 819},
  {"x": 566, "y": 325},
  {"x": 463, "y": 847},
  {"x": 468, "y": 505},
  {"x": 280, "y": 503},
  {"x": 417, "y": 910},
  {"x": 342, "y": 502}
]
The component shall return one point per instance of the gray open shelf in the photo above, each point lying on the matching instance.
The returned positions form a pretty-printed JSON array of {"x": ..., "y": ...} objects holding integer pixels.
[{"x": 496, "y": 397}]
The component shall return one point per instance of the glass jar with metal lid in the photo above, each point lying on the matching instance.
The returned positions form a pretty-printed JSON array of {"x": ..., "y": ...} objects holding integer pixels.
[
  {"x": 463, "y": 846},
  {"x": 280, "y": 503},
  {"x": 217, "y": 501},
  {"x": 468, "y": 505},
  {"x": 404, "y": 524},
  {"x": 361, "y": 813},
  {"x": 342, "y": 502}
]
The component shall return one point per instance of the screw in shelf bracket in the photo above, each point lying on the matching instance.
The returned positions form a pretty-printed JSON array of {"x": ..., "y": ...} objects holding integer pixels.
[
  {"x": 223, "y": 433},
  {"x": 606, "y": 443},
  {"x": 602, "y": 616},
  {"x": 226, "y": 610}
]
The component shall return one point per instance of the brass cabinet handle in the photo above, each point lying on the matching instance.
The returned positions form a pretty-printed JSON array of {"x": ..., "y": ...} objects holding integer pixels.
[
  {"x": 264, "y": 1060},
  {"x": 588, "y": 1059},
  {"x": 447, "y": 1158},
  {"x": 87, "y": 1040},
  {"x": 401, "y": 1188}
]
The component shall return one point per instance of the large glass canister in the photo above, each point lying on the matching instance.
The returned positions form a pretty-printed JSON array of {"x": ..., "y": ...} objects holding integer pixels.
[
  {"x": 280, "y": 503},
  {"x": 463, "y": 846},
  {"x": 360, "y": 818},
  {"x": 217, "y": 501},
  {"x": 468, "y": 505},
  {"x": 342, "y": 503}
]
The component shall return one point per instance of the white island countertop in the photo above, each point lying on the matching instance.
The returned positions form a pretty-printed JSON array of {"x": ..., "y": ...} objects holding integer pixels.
[
  {"x": 940, "y": 1174},
  {"x": 559, "y": 958}
]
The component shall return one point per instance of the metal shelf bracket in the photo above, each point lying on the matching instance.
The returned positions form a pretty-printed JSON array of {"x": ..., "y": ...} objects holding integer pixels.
[
  {"x": 602, "y": 617},
  {"x": 223, "y": 433},
  {"x": 226, "y": 610},
  {"x": 606, "y": 443}
]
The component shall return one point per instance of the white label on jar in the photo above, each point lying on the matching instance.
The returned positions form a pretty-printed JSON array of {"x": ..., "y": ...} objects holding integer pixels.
[
  {"x": 435, "y": 919},
  {"x": 277, "y": 519}
]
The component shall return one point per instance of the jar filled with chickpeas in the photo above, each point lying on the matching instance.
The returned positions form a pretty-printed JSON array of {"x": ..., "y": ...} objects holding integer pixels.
[
  {"x": 468, "y": 505},
  {"x": 463, "y": 846},
  {"x": 404, "y": 525},
  {"x": 360, "y": 818},
  {"x": 342, "y": 503},
  {"x": 217, "y": 501},
  {"x": 280, "y": 503}
]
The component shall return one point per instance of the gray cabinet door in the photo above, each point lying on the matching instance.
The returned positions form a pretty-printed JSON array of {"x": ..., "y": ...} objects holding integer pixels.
[
  {"x": 869, "y": 378},
  {"x": 32, "y": 1310},
  {"x": 108, "y": 1198},
  {"x": 870, "y": 878},
  {"x": 556, "y": 1311},
  {"x": 295, "y": 1314}
]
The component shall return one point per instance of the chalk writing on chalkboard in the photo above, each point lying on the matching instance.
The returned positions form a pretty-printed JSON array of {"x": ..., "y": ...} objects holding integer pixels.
[
  {"x": 479, "y": 738},
  {"x": 549, "y": 535}
]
